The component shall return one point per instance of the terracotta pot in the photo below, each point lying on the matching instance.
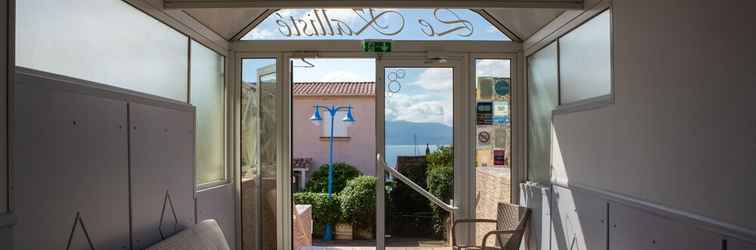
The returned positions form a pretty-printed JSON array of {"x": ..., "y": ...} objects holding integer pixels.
[{"x": 343, "y": 231}]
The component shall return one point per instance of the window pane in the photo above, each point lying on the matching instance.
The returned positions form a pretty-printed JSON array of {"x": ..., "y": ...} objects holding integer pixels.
[
  {"x": 359, "y": 24},
  {"x": 259, "y": 159},
  {"x": 105, "y": 41},
  {"x": 542, "y": 100},
  {"x": 339, "y": 126},
  {"x": 493, "y": 140},
  {"x": 585, "y": 60},
  {"x": 207, "y": 96}
]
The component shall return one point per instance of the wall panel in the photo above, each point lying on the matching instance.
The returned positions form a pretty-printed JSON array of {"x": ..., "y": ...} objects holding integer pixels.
[
  {"x": 218, "y": 203},
  {"x": 71, "y": 154},
  {"x": 162, "y": 172},
  {"x": 633, "y": 228},
  {"x": 579, "y": 220},
  {"x": 538, "y": 198}
]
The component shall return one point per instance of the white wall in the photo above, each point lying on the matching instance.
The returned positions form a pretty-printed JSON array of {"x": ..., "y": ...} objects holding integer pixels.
[{"x": 681, "y": 131}]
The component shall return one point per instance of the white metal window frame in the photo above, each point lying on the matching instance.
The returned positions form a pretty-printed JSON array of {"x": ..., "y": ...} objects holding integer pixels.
[{"x": 460, "y": 55}]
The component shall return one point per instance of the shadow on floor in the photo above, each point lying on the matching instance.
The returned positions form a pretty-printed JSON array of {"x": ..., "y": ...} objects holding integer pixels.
[{"x": 393, "y": 244}]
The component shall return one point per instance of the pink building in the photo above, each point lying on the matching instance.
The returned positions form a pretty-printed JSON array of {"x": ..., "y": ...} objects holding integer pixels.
[{"x": 353, "y": 144}]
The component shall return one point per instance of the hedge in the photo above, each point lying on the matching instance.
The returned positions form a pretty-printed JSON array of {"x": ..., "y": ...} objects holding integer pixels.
[
  {"x": 358, "y": 201},
  {"x": 324, "y": 210},
  {"x": 342, "y": 172}
]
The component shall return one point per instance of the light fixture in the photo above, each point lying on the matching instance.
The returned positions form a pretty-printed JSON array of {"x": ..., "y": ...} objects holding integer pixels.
[
  {"x": 315, "y": 118},
  {"x": 349, "y": 118}
]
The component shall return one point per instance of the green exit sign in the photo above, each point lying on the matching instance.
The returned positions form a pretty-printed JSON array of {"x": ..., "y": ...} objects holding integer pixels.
[{"x": 376, "y": 46}]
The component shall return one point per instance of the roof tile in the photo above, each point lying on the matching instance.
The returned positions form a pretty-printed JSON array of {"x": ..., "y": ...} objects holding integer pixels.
[{"x": 334, "y": 89}]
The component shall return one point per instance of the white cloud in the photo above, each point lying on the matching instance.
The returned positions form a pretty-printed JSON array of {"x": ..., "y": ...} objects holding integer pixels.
[
  {"x": 342, "y": 76},
  {"x": 436, "y": 79},
  {"x": 261, "y": 34},
  {"x": 418, "y": 108},
  {"x": 492, "y": 67}
]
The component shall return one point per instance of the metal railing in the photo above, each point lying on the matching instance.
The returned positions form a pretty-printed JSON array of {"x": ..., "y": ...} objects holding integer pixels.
[{"x": 393, "y": 172}]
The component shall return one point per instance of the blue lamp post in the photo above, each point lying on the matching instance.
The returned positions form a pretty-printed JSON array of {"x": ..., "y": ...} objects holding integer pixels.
[{"x": 317, "y": 119}]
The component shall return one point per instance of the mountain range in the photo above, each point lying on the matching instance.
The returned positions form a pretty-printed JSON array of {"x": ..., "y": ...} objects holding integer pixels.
[{"x": 404, "y": 133}]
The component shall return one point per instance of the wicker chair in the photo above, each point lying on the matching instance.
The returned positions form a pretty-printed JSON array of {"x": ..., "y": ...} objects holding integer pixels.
[{"x": 511, "y": 222}]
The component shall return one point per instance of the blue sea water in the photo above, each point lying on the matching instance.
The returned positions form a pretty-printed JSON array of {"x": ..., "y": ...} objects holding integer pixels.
[{"x": 392, "y": 151}]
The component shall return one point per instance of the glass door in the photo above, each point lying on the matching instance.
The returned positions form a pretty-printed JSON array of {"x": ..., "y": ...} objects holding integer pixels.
[{"x": 417, "y": 128}]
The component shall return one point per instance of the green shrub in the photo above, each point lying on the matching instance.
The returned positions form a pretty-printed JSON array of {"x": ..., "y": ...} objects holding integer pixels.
[
  {"x": 443, "y": 155},
  {"x": 342, "y": 172},
  {"x": 358, "y": 201},
  {"x": 440, "y": 182},
  {"x": 324, "y": 211}
]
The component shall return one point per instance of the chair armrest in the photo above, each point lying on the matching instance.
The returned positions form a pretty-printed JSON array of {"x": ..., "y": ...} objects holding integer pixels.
[
  {"x": 497, "y": 233},
  {"x": 454, "y": 226}
]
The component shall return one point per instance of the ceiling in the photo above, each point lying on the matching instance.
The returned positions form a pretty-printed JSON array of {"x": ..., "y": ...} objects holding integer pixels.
[{"x": 232, "y": 23}]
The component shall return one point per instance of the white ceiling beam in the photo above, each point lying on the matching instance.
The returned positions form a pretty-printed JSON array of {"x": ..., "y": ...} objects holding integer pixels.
[{"x": 276, "y": 4}]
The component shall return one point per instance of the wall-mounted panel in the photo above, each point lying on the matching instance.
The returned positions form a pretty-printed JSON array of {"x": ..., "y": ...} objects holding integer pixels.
[
  {"x": 633, "y": 228},
  {"x": 218, "y": 203},
  {"x": 162, "y": 172},
  {"x": 579, "y": 220},
  {"x": 72, "y": 157},
  {"x": 537, "y": 198}
]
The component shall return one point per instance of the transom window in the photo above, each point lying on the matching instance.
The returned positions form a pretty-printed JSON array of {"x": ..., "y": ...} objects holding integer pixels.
[{"x": 361, "y": 24}]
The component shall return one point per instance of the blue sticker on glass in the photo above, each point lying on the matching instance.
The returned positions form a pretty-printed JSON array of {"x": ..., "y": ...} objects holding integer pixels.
[
  {"x": 501, "y": 120},
  {"x": 502, "y": 86}
]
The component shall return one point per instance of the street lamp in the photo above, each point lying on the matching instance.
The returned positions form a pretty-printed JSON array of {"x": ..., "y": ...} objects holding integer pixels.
[{"x": 317, "y": 120}]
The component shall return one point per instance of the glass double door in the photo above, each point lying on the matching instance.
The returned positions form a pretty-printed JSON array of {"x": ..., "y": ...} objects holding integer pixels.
[{"x": 440, "y": 150}]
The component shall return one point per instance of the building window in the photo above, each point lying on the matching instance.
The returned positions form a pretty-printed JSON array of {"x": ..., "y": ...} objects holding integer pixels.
[{"x": 340, "y": 128}]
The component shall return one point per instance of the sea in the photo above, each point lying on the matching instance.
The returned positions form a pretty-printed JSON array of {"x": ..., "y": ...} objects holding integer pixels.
[{"x": 392, "y": 151}]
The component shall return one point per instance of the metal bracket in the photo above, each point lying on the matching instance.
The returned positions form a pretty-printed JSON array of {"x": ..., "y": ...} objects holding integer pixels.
[
  {"x": 168, "y": 200},
  {"x": 79, "y": 221}
]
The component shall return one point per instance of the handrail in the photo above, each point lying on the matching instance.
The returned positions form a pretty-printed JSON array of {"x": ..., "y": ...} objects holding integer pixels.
[{"x": 393, "y": 172}]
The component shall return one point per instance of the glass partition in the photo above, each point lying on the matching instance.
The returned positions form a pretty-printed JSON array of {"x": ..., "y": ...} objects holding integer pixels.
[
  {"x": 493, "y": 141},
  {"x": 369, "y": 23},
  {"x": 105, "y": 41},
  {"x": 585, "y": 60},
  {"x": 207, "y": 95},
  {"x": 259, "y": 158},
  {"x": 543, "y": 95}
]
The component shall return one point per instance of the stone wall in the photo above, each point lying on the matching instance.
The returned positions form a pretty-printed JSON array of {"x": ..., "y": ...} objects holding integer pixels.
[{"x": 492, "y": 185}]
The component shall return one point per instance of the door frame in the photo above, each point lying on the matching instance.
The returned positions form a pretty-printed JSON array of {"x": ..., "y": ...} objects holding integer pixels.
[
  {"x": 460, "y": 142},
  {"x": 462, "y": 53}
]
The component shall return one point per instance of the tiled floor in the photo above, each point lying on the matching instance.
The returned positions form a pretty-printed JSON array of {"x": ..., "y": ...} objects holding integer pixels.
[{"x": 370, "y": 245}]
